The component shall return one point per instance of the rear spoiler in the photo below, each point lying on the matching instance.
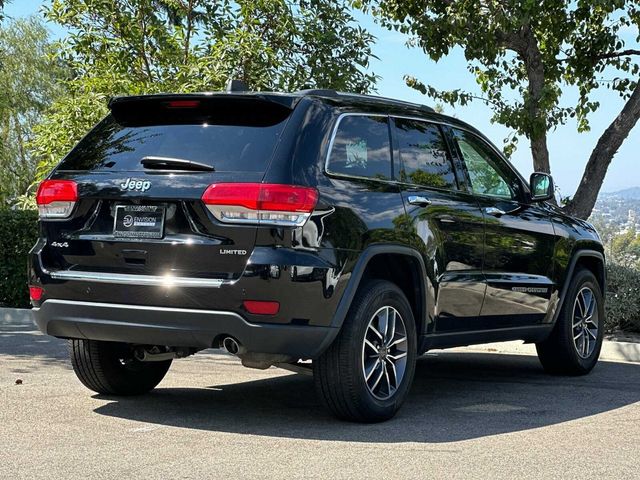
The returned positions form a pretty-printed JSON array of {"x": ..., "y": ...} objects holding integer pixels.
[{"x": 255, "y": 109}]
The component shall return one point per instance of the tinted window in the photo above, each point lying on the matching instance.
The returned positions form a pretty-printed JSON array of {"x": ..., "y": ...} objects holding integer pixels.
[
  {"x": 487, "y": 172},
  {"x": 114, "y": 146},
  {"x": 361, "y": 147},
  {"x": 423, "y": 155}
]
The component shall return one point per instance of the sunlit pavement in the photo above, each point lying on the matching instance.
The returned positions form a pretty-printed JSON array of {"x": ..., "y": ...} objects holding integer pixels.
[{"x": 469, "y": 415}]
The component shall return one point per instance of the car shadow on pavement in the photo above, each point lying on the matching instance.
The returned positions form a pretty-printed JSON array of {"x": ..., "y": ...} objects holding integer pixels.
[
  {"x": 455, "y": 396},
  {"x": 21, "y": 340}
]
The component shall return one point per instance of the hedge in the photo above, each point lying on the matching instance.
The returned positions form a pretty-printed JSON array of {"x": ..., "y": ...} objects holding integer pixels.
[
  {"x": 623, "y": 299},
  {"x": 18, "y": 233}
]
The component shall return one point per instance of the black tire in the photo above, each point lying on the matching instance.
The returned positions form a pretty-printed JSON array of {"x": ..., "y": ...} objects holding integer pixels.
[
  {"x": 109, "y": 368},
  {"x": 339, "y": 373},
  {"x": 559, "y": 354}
]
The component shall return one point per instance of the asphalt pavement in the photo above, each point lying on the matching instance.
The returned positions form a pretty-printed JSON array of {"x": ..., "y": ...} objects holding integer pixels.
[{"x": 469, "y": 415}]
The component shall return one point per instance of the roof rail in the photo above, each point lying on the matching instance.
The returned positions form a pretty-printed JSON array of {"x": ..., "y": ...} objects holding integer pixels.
[
  {"x": 322, "y": 92},
  {"x": 334, "y": 93},
  {"x": 388, "y": 100}
]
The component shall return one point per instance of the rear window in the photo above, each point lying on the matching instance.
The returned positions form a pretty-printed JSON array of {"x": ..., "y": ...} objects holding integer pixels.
[{"x": 229, "y": 144}]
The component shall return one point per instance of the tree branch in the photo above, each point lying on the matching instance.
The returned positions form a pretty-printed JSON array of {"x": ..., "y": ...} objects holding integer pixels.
[
  {"x": 604, "y": 56},
  {"x": 512, "y": 41},
  {"x": 622, "y": 53},
  {"x": 486, "y": 100},
  {"x": 608, "y": 144},
  {"x": 143, "y": 50},
  {"x": 187, "y": 39}
]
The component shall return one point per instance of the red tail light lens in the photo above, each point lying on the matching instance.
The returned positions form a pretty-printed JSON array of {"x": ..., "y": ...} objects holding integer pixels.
[
  {"x": 287, "y": 198},
  {"x": 35, "y": 293},
  {"x": 56, "y": 198},
  {"x": 261, "y": 203},
  {"x": 261, "y": 308}
]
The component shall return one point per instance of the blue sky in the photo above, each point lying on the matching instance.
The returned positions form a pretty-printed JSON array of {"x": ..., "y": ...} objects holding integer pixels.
[{"x": 569, "y": 150}]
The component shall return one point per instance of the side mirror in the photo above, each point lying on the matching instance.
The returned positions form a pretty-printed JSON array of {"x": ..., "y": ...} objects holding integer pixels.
[{"x": 542, "y": 187}]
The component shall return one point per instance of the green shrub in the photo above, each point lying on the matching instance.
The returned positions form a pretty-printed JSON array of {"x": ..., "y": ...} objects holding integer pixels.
[
  {"x": 623, "y": 298},
  {"x": 18, "y": 233}
]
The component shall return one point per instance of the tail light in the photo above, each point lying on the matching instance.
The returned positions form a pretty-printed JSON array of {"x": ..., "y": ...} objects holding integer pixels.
[
  {"x": 261, "y": 203},
  {"x": 56, "y": 198}
]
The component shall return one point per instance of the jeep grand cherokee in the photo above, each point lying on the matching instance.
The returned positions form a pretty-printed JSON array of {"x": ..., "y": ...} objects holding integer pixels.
[{"x": 350, "y": 231}]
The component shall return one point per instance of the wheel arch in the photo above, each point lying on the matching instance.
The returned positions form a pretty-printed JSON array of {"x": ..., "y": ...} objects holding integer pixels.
[
  {"x": 592, "y": 260},
  {"x": 388, "y": 262}
]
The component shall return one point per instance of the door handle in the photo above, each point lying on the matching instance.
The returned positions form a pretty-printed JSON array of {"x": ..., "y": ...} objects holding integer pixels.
[
  {"x": 418, "y": 200},
  {"x": 496, "y": 212},
  {"x": 446, "y": 218}
]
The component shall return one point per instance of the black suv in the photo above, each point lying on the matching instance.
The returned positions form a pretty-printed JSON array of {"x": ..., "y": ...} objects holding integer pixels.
[{"x": 351, "y": 231}]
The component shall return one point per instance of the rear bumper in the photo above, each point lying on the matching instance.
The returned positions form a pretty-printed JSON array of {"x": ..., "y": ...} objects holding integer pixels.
[
  {"x": 176, "y": 327},
  {"x": 307, "y": 286}
]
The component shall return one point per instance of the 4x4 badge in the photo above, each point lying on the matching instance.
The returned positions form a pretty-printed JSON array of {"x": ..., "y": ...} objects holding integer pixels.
[{"x": 137, "y": 185}]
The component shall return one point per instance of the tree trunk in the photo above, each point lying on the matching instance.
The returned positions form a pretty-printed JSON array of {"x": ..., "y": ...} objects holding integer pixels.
[
  {"x": 608, "y": 144},
  {"x": 540, "y": 154},
  {"x": 530, "y": 54}
]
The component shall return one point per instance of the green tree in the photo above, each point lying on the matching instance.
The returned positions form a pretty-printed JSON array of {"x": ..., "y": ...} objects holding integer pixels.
[
  {"x": 625, "y": 248},
  {"x": 28, "y": 80},
  {"x": 605, "y": 229},
  {"x": 146, "y": 46},
  {"x": 521, "y": 52}
]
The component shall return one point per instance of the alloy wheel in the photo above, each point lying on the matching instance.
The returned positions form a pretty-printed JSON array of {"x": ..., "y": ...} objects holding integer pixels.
[
  {"x": 585, "y": 322},
  {"x": 384, "y": 353}
]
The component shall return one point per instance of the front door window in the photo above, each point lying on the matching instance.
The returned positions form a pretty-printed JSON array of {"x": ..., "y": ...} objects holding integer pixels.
[{"x": 487, "y": 175}]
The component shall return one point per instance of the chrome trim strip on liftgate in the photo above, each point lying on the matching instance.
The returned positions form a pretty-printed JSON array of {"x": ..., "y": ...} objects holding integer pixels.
[{"x": 133, "y": 279}]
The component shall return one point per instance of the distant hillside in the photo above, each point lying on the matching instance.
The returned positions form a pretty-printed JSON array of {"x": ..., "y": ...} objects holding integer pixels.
[{"x": 632, "y": 193}]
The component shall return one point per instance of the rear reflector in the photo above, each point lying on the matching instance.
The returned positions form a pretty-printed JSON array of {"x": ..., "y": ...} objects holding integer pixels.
[
  {"x": 56, "y": 198},
  {"x": 35, "y": 293},
  {"x": 261, "y": 308},
  {"x": 261, "y": 203}
]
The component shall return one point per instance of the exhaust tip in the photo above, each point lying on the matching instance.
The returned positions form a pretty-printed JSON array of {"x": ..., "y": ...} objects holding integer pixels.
[{"x": 231, "y": 345}]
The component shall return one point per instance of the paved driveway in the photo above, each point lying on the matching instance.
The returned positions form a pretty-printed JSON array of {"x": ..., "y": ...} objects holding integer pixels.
[{"x": 469, "y": 415}]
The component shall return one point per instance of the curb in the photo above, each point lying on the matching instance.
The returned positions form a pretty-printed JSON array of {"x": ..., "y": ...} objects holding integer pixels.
[
  {"x": 13, "y": 315},
  {"x": 611, "y": 350}
]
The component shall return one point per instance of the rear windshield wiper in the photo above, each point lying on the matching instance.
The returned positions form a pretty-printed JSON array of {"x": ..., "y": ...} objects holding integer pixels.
[{"x": 166, "y": 163}]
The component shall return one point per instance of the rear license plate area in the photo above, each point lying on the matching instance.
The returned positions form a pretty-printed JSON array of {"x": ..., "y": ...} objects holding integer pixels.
[{"x": 139, "y": 221}]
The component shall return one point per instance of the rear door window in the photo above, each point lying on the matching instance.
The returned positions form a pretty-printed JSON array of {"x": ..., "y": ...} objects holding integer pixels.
[
  {"x": 424, "y": 159},
  {"x": 361, "y": 147}
]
